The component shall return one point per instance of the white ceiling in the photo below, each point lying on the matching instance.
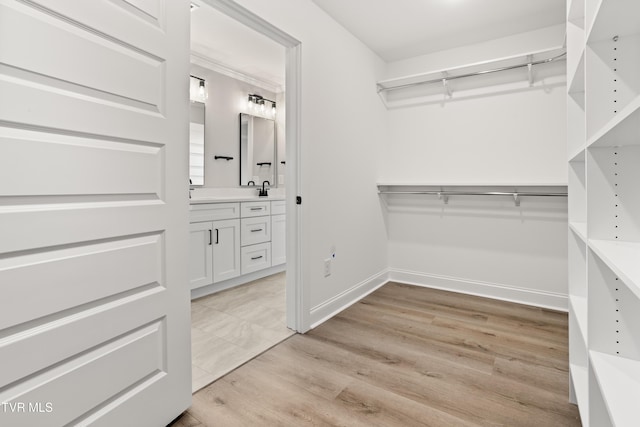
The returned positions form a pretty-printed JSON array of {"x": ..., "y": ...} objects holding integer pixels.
[
  {"x": 225, "y": 41},
  {"x": 394, "y": 29},
  {"x": 399, "y": 29}
]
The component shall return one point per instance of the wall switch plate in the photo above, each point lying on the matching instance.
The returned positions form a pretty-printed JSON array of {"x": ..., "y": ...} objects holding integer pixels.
[{"x": 327, "y": 267}]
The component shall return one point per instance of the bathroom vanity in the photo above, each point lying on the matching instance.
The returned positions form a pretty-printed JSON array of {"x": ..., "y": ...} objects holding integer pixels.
[{"x": 235, "y": 240}]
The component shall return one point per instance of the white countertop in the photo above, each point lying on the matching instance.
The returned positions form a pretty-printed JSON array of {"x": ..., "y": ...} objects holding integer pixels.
[
  {"x": 237, "y": 194},
  {"x": 229, "y": 199}
]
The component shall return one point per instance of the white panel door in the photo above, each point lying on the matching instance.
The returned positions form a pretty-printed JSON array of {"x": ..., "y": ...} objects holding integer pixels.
[
  {"x": 226, "y": 249},
  {"x": 94, "y": 307}
]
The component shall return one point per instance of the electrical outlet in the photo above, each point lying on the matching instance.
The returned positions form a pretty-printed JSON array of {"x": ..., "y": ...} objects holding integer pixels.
[{"x": 327, "y": 267}]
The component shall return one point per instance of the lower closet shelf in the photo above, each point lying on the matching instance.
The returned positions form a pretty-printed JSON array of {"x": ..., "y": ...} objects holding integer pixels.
[
  {"x": 619, "y": 380},
  {"x": 580, "y": 377},
  {"x": 579, "y": 307},
  {"x": 622, "y": 258},
  {"x": 580, "y": 228}
]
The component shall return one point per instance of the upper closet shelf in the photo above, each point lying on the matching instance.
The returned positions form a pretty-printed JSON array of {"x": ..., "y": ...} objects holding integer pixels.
[
  {"x": 524, "y": 70},
  {"x": 619, "y": 14},
  {"x": 575, "y": 11},
  {"x": 623, "y": 129}
]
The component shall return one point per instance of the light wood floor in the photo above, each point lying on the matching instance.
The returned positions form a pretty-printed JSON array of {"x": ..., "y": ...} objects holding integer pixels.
[
  {"x": 231, "y": 327},
  {"x": 405, "y": 356}
]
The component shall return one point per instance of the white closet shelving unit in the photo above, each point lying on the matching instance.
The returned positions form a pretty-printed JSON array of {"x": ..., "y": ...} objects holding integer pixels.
[{"x": 603, "y": 113}]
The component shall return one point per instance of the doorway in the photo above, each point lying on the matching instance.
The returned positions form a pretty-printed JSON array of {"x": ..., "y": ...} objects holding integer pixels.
[{"x": 223, "y": 306}]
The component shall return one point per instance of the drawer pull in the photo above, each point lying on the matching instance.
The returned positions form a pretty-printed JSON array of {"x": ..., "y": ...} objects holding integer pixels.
[
  {"x": 257, "y": 209},
  {"x": 253, "y": 258},
  {"x": 255, "y": 230}
]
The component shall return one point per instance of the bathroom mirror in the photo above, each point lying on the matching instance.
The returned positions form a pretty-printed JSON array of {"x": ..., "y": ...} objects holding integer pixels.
[
  {"x": 257, "y": 150},
  {"x": 196, "y": 144}
]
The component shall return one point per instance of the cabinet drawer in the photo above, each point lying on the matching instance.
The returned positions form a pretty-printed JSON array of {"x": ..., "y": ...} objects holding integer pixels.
[
  {"x": 251, "y": 209},
  {"x": 213, "y": 211},
  {"x": 255, "y": 257},
  {"x": 278, "y": 207},
  {"x": 255, "y": 230}
]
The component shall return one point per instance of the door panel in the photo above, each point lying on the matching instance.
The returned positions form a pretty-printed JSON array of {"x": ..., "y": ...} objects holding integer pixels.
[
  {"x": 226, "y": 250},
  {"x": 36, "y": 155},
  {"x": 138, "y": 78},
  {"x": 137, "y": 356},
  {"x": 94, "y": 314},
  {"x": 200, "y": 254}
]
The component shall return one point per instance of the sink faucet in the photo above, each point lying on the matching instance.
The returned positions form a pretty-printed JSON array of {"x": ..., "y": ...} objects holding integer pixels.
[
  {"x": 262, "y": 192},
  {"x": 251, "y": 183}
]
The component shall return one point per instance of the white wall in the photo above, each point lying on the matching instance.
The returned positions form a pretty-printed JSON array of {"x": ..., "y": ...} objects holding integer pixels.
[
  {"x": 226, "y": 100},
  {"x": 343, "y": 132},
  {"x": 481, "y": 245},
  {"x": 510, "y": 138}
]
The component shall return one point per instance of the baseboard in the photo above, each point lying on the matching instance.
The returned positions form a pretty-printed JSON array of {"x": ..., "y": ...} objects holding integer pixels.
[
  {"x": 497, "y": 291},
  {"x": 236, "y": 281},
  {"x": 323, "y": 312}
]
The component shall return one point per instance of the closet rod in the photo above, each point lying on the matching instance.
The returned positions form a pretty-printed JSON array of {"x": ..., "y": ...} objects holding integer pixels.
[
  {"x": 477, "y": 73},
  {"x": 444, "y": 195},
  {"x": 476, "y": 193}
]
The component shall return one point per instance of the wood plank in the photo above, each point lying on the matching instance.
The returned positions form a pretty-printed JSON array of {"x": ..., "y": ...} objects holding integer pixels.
[{"x": 407, "y": 356}]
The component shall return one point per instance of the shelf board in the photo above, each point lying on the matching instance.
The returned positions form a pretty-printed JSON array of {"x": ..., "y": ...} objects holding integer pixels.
[
  {"x": 620, "y": 15},
  {"x": 623, "y": 129},
  {"x": 580, "y": 228},
  {"x": 619, "y": 380},
  {"x": 622, "y": 258},
  {"x": 575, "y": 12},
  {"x": 576, "y": 84},
  {"x": 580, "y": 377},
  {"x": 577, "y": 156},
  {"x": 579, "y": 307},
  {"x": 497, "y": 75}
]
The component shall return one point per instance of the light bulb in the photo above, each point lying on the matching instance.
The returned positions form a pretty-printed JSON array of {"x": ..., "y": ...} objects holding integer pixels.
[
  {"x": 201, "y": 91},
  {"x": 273, "y": 109},
  {"x": 262, "y": 106}
]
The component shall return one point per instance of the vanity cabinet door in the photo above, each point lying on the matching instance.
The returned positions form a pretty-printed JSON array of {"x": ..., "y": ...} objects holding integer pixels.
[
  {"x": 200, "y": 254},
  {"x": 278, "y": 239},
  {"x": 226, "y": 249}
]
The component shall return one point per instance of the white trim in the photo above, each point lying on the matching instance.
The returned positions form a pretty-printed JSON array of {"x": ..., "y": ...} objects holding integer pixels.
[
  {"x": 297, "y": 290},
  {"x": 328, "y": 309},
  {"x": 298, "y": 301},
  {"x": 210, "y": 64},
  {"x": 496, "y": 291}
]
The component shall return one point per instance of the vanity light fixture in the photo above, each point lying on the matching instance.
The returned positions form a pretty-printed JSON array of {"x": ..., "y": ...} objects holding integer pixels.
[
  {"x": 257, "y": 100},
  {"x": 198, "y": 93}
]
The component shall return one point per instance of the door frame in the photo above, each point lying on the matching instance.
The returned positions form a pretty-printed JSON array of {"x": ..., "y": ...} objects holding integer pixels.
[{"x": 297, "y": 296}]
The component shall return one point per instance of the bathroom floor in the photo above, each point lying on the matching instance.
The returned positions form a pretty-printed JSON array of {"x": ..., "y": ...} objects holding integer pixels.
[{"x": 231, "y": 327}]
